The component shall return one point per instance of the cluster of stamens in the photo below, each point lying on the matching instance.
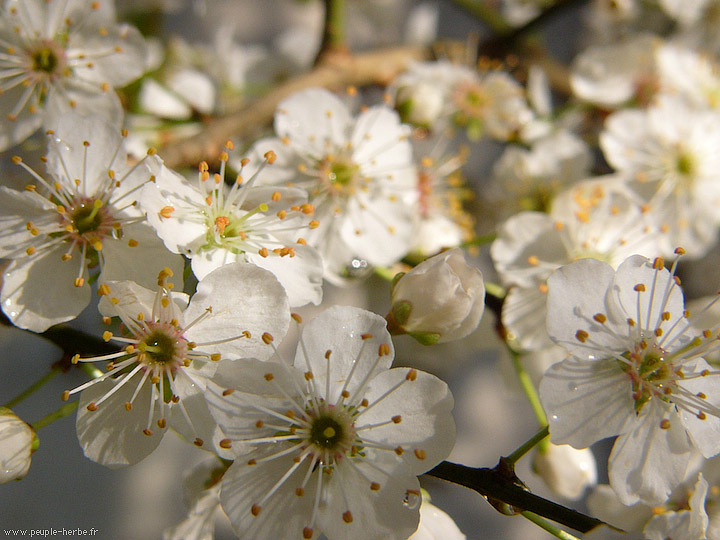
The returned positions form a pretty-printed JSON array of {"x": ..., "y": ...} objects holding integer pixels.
[
  {"x": 237, "y": 229},
  {"x": 37, "y": 63},
  {"x": 155, "y": 350},
  {"x": 83, "y": 220},
  {"x": 659, "y": 349}
]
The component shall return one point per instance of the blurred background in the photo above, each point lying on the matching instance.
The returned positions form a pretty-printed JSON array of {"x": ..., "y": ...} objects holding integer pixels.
[{"x": 65, "y": 490}]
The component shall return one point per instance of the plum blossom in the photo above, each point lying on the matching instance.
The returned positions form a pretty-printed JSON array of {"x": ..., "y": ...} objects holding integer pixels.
[
  {"x": 441, "y": 299},
  {"x": 435, "y": 524},
  {"x": 566, "y": 470},
  {"x": 332, "y": 444},
  {"x": 81, "y": 216},
  {"x": 669, "y": 153},
  {"x": 441, "y": 221},
  {"x": 358, "y": 172},
  {"x": 62, "y": 56},
  {"x": 157, "y": 380},
  {"x": 636, "y": 370},
  {"x": 16, "y": 446},
  {"x": 202, "y": 494},
  {"x": 598, "y": 218},
  {"x": 214, "y": 224}
]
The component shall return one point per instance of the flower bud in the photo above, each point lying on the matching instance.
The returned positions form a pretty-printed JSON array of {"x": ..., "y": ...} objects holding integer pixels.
[
  {"x": 441, "y": 299},
  {"x": 419, "y": 104},
  {"x": 16, "y": 445},
  {"x": 566, "y": 470},
  {"x": 435, "y": 524}
]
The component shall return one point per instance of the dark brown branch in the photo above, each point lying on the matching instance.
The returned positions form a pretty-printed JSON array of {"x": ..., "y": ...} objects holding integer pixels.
[{"x": 503, "y": 489}]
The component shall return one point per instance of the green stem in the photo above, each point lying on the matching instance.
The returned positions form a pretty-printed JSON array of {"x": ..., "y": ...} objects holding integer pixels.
[
  {"x": 333, "y": 40},
  {"x": 479, "y": 240},
  {"x": 62, "y": 412},
  {"x": 528, "y": 387},
  {"x": 494, "y": 289},
  {"x": 388, "y": 274},
  {"x": 34, "y": 387},
  {"x": 91, "y": 370},
  {"x": 549, "y": 527},
  {"x": 527, "y": 446}
]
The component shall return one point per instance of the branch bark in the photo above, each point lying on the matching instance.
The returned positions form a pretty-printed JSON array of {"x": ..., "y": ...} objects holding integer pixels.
[{"x": 376, "y": 67}]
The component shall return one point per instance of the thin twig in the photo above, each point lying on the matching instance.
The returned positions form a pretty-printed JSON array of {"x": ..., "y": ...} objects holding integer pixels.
[{"x": 377, "y": 67}]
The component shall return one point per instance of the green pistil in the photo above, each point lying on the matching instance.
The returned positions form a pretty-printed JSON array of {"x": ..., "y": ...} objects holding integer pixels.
[
  {"x": 87, "y": 218},
  {"x": 44, "y": 60},
  {"x": 159, "y": 347},
  {"x": 342, "y": 174},
  {"x": 326, "y": 432},
  {"x": 685, "y": 164}
]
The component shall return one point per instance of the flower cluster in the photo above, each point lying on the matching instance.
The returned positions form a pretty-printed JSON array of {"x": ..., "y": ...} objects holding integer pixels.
[{"x": 569, "y": 188}]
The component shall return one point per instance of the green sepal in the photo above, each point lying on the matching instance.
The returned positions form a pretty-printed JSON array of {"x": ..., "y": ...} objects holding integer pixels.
[
  {"x": 401, "y": 312},
  {"x": 425, "y": 338},
  {"x": 395, "y": 279}
]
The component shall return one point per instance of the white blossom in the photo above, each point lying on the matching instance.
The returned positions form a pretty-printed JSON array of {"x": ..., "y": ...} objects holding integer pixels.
[
  {"x": 62, "y": 56},
  {"x": 670, "y": 154},
  {"x": 333, "y": 443},
  {"x": 636, "y": 370},
  {"x": 441, "y": 299},
  {"x": 214, "y": 224},
  {"x": 16, "y": 446},
  {"x": 566, "y": 470},
  {"x": 158, "y": 379},
  {"x": 83, "y": 215},
  {"x": 358, "y": 172}
]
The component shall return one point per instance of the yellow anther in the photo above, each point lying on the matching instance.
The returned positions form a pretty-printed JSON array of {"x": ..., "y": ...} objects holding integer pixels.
[
  {"x": 267, "y": 338},
  {"x": 79, "y": 282},
  {"x": 166, "y": 211}
]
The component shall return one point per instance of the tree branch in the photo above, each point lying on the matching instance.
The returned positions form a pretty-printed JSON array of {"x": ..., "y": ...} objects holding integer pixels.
[
  {"x": 498, "y": 488},
  {"x": 377, "y": 67}
]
